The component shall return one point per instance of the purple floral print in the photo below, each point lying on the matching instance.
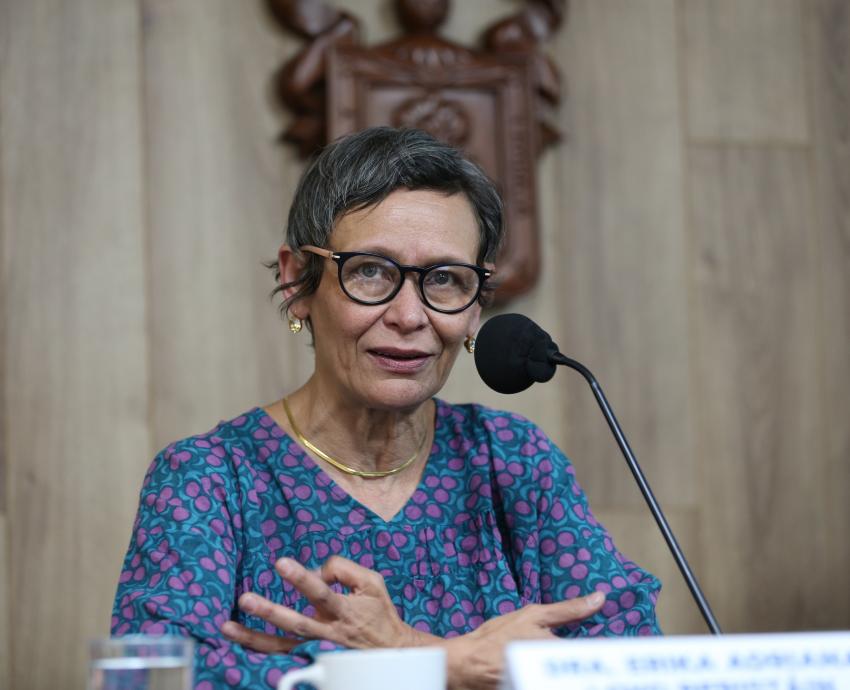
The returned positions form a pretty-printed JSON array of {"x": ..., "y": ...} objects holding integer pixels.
[{"x": 498, "y": 521}]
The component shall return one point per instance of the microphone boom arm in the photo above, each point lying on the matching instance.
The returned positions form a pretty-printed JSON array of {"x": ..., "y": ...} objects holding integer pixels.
[{"x": 645, "y": 489}]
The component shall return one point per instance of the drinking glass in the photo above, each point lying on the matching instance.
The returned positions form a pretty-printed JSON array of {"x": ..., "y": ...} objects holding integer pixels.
[{"x": 141, "y": 662}]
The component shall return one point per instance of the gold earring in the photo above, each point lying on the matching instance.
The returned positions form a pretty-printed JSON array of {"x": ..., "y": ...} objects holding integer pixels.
[
  {"x": 469, "y": 344},
  {"x": 295, "y": 325}
]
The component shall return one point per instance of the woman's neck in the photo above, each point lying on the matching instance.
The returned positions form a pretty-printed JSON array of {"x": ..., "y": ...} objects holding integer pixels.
[{"x": 363, "y": 438}]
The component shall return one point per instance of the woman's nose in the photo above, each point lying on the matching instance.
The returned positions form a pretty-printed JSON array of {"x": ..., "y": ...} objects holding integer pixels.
[{"x": 407, "y": 310}]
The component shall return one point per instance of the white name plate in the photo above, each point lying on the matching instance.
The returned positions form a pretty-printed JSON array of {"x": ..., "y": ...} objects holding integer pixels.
[{"x": 793, "y": 661}]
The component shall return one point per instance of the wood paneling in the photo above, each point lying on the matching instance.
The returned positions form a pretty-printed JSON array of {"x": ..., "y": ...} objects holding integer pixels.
[
  {"x": 828, "y": 34},
  {"x": 755, "y": 270},
  {"x": 616, "y": 292},
  {"x": 621, "y": 285},
  {"x": 5, "y": 643},
  {"x": 75, "y": 385},
  {"x": 218, "y": 186},
  {"x": 744, "y": 69}
]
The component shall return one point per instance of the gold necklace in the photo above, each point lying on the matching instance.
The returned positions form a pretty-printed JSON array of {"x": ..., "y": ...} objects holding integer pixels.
[{"x": 345, "y": 468}]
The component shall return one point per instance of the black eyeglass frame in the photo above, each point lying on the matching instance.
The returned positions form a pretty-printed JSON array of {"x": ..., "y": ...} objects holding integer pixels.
[{"x": 341, "y": 257}]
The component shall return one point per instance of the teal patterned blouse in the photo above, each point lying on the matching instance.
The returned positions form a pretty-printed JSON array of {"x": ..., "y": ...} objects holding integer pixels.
[{"x": 498, "y": 521}]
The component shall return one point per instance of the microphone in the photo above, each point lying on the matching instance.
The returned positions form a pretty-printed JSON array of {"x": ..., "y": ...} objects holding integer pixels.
[{"x": 512, "y": 353}]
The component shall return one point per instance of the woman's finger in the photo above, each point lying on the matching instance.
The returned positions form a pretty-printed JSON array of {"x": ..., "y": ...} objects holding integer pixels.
[
  {"x": 350, "y": 574},
  {"x": 569, "y": 611},
  {"x": 318, "y": 592},
  {"x": 256, "y": 640},
  {"x": 283, "y": 617}
]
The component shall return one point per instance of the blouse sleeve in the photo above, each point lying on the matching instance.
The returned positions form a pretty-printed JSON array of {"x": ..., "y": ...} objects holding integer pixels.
[
  {"x": 180, "y": 572},
  {"x": 567, "y": 553}
]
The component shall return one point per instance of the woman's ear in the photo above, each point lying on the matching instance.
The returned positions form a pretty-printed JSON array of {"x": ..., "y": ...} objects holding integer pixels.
[{"x": 291, "y": 267}]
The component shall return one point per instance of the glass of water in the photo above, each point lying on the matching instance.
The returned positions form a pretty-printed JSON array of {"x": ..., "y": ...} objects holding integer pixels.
[{"x": 141, "y": 662}]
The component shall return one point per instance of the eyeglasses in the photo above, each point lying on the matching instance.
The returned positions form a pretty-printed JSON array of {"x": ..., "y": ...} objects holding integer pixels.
[{"x": 373, "y": 279}]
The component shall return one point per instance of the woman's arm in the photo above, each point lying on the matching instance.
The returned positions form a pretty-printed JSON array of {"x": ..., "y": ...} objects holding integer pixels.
[
  {"x": 557, "y": 549},
  {"x": 476, "y": 660},
  {"x": 365, "y": 618},
  {"x": 180, "y": 574},
  {"x": 571, "y": 554}
]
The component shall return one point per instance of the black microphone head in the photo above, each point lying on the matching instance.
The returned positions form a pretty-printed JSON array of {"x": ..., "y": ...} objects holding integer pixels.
[{"x": 512, "y": 352}]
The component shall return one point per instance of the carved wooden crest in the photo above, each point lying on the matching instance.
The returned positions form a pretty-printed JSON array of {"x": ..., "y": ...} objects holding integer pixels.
[{"x": 490, "y": 101}]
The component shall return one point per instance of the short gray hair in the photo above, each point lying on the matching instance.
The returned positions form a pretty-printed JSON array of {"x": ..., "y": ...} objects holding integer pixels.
[{"x": 361, "y": 170}]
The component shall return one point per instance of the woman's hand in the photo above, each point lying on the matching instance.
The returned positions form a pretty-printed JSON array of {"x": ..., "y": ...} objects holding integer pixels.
[
  {"x": 364, "y": 618},
  {"x": 476, "y": 660}
]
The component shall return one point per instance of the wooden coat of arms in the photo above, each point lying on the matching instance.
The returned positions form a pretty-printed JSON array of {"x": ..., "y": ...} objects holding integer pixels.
[{"x": 491, "y": 101}]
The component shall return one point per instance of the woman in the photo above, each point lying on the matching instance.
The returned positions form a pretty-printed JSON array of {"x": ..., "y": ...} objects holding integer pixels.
[{"x": 359, "y": 510}]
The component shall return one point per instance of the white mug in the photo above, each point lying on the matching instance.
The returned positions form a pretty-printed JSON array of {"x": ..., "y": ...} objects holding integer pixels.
[{"x": 418, "y": 668}]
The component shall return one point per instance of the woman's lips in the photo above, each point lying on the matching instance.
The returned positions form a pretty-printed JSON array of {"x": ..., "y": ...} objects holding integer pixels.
[{"x": 399, "y": 361}]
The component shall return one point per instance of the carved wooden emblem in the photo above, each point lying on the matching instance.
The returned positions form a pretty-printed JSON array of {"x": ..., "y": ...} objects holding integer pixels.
[{"x": 492, "y": 101}]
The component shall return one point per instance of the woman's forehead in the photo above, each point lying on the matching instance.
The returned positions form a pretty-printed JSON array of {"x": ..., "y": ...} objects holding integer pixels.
[{"x": 411, "y": 220}]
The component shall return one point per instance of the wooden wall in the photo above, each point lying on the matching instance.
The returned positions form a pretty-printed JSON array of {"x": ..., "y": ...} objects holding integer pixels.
[{"x": 696, "y": 231}]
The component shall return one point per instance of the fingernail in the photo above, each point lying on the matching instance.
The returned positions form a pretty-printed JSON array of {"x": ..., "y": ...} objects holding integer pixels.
[
  {"x": 596, "y": 598},
  {"x": 284, "y": 566}
]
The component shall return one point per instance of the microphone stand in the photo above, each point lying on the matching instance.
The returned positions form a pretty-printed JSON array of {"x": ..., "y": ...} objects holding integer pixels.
[{"x": 654, "y": 508}]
